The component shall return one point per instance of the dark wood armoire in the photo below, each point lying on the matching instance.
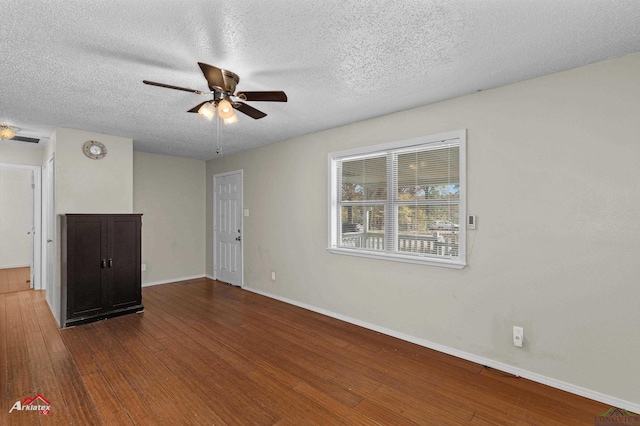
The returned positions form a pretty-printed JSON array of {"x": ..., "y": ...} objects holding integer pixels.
[{"x": 101, "y": 274}]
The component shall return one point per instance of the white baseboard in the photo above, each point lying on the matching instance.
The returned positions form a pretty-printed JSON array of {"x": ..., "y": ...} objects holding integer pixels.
[
  {"x": 174, "y": 280},
  {"x": 558, "y": 384}
]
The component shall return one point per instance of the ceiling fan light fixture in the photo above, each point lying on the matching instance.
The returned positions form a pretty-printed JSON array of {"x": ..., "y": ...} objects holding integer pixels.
[
  {"x": 222, "y": 84},
  {"x": 225, "y": 109},
  {"x": 7, "y": 132},
  {"x": 207, "y": 110},
  {"x": 231, "y": 120}
]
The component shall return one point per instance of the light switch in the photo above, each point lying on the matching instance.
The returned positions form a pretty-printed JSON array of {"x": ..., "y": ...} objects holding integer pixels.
[
  {"x": 471, "y": 221},
  {"x": 246, "y": 212}
]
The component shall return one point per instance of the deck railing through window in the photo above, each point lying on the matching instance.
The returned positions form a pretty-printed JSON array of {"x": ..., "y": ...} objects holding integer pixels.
[{"x": 437, "y": 243}]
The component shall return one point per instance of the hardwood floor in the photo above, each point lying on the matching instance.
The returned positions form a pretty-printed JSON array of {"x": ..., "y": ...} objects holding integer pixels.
[
  {"x": 204, "y": 352},
  {"x": 15, "y": 279}
]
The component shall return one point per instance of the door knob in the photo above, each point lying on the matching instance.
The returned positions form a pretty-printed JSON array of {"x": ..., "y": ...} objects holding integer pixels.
[
  {"x": 49, "y": 241},
  {"x": 238, "y": 239}
]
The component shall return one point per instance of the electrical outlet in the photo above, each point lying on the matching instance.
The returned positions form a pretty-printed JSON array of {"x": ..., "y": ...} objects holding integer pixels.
[
  {"x": 273, "y": 275},
  {"x": 518, "y": 336},
  {"x": 144, "y": 267}
]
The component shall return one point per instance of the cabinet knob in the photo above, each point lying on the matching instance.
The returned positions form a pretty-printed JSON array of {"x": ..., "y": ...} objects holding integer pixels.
[{"x": 104, "y": 263}]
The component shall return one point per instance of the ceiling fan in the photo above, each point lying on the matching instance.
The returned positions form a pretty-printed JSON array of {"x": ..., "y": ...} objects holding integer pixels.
[{"x": 222, "y": 84}]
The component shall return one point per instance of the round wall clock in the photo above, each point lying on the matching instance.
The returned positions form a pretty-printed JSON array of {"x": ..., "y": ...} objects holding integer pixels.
[{"x": 94, "y": 150}]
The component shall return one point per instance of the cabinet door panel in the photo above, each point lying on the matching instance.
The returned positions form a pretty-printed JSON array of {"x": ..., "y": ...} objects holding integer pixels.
[
  {"x": 124, "y": 248},
  {"x": 87, "y": 246}
]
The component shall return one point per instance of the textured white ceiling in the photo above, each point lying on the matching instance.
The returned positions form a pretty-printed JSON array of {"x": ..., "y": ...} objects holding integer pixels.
[{"x": 80, "y": 64}]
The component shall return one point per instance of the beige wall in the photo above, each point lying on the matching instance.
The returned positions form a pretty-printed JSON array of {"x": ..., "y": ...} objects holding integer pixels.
[
  {"x": 554, "y": 179},
  {"x": 15, "y": 217},
  {"x": 83, "y": 185},
  {"x": 170, "y": 192},
  {"x": 23, "y": 153}
]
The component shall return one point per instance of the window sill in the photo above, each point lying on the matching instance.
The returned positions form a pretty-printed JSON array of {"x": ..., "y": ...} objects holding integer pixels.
[{"x": 430, "y": 261}]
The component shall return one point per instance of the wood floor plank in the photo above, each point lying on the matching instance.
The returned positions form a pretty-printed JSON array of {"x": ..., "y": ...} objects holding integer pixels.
[
  {"x": 304, "y": 367},
  {"x": 204, "y": 352},
  {"x": 18, "y": 374},
  {"x": 111, "y": 411},
  {"x": 44, "y": 378},
  {"x": 159, "y": 385},
  {"x": 4, "y": 401},
  {"x": 381, "y": 415},
  {"x": 296, "y": 407},
  {"x": 212, "y": 383},
  {"x": 238, "y": 361},
  {"x": 15, "y": 279},
  {"x": 47, "y": 324},
  {"x": 578, "y": 404},
  {"x": 345, "y": 412},
  {"x": 82, "y": 355},
  {"x": 148, "y": 333},
  {"x": 129, "y": 395},
  {"x": 27, "y": 311},
  {"x": 307, "y": 365},
  {"x": 4, "y": 281},
  {"x": 18, "y": 279},
  {"x": 80, "y": 406}
]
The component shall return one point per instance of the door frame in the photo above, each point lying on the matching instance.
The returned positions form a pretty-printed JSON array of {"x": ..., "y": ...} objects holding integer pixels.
[
  {"x": 214, "y": 221},
  {"x": 47, "y": 212},
  {"x": 36, "y": 212}
]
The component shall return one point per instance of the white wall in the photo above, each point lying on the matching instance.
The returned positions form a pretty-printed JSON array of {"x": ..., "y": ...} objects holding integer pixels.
[
  {"x": 170, "y": 192},
  {"x": 15, "y": 217},
  {"x": 554, "y": 179}
]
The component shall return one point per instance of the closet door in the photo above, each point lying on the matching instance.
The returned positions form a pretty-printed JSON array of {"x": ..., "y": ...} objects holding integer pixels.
[
  {"x": 86, "y": 265},
  {"x": 124, "y": 261}
]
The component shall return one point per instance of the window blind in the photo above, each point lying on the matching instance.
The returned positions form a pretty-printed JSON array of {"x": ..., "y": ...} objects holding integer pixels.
[{"x": 404, "y": 200}]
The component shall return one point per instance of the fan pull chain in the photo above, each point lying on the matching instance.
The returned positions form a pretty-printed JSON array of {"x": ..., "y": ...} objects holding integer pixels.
[{"x": 218, "y": 145}]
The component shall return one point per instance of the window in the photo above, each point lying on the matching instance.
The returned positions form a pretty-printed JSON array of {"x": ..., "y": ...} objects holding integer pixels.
[{"x": 401, "y": 201}]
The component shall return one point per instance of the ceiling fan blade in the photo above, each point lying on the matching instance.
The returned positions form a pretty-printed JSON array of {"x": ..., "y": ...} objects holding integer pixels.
[
  {"x": 168, "y": 86},
  {"x": 197, "y": 107},
  {"x": 249, "y": 110},
  {"x": 276, "y": 96},
  {"x": 214, "y": 76}
]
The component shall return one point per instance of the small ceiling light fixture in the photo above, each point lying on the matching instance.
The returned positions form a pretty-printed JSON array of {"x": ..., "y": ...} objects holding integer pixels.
[
  {"x": 231, "y": 120},
  {"x": 207, "y": 110},
  {"x": 7, "y": 132},
  {"x": 225, "y": 109}
]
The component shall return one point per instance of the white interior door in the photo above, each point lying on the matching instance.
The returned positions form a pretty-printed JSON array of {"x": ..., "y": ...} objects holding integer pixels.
[
  {"x": 228, "y": 227},
  {"x": 20, "y": 218},
  {"x": 36, "y": 229}
]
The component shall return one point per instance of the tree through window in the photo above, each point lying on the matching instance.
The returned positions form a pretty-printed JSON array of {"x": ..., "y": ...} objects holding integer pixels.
[{"x": 403, "y": 200}]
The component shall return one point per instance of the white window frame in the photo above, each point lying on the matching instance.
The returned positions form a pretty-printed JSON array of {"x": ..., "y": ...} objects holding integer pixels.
[{"x": 458, "y": 262}]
